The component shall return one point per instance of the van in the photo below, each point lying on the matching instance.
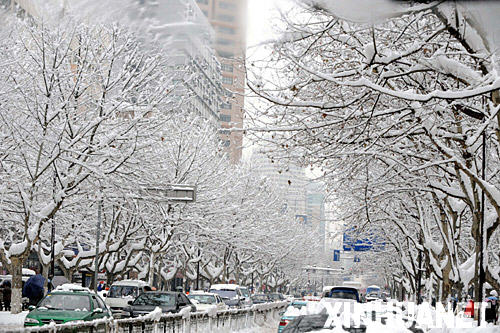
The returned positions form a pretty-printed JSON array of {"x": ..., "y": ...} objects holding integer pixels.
[
  {"x": 233, "y": 295},
  {"x": 121, "y": 292}
]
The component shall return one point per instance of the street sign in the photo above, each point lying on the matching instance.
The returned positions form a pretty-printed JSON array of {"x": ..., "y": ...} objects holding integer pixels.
[
  {"x": 173, "y": 192},
  {"x": 336, "y": 255},
  {"x": 362, "y": 241}
]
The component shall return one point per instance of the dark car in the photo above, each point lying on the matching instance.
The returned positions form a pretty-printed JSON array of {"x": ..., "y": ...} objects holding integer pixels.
[
  {"x": 343, "y": 293},
  {"x": 261, "y": 298},
  {"x": 276, "y": 297},
  {"x": 168, "y": 301}
]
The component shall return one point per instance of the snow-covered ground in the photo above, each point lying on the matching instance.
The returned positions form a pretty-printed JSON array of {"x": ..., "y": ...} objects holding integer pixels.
[
  {"x": 10, "y": 321},
  {"x": 269, "y": 327}
]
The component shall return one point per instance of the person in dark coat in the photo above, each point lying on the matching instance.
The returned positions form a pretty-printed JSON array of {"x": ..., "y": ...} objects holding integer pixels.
[
  {"x": 33, "y": 289},
  {"x": 491, "y": 312},
  {"x": 6, "y": 295}
]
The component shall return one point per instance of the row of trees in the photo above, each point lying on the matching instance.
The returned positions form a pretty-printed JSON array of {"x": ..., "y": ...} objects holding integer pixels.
[
  {"x": 402, "y": 118},
  {"x": 91, "y": 117}
]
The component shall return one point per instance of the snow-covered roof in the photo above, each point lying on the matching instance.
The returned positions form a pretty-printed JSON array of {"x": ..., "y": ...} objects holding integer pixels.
[
  {"x": 136, "y": 283},
  {"x": 373, "y": 286}
]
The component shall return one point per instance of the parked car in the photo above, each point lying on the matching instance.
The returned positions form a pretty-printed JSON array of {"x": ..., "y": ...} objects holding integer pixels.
[
  {"x": 261, "y": 298},
  {"x": 233, "y": 295},
  {"x": 121, "y": 292},
  {"x": 342, "y": 293},
  {"x": 288, "y": 316},
  {"x": 67, "y": 303},
  {"x": 276, "y": 297},
  {"x": 168, "y": 301},
  {"x": 203, "y": 300}
]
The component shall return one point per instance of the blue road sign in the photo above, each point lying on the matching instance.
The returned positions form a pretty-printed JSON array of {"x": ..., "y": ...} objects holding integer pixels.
[{"x": 336, "y": 255}]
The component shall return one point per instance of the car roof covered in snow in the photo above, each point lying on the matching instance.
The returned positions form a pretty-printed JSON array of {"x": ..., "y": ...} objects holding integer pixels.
[
  {"x": 136, "y": 283},
  {"x": 224, "y": 286},
  {"x": 72, "y": 287},
  {"x": 201, "y": 292}
]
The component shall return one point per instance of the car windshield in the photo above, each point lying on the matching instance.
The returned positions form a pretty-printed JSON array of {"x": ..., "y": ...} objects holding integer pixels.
[
  {"x": 244, "y": 292},
  {"x": 298, "y": 305},
  {"x": 306, "y": 323},
  {"x": 260, "y": 297},
  {"x": 123, "y": 291},
  {"x": 224, "y": 293},
  {"x": 343, "y": 294},
  {"x": 275, "y": 296},
  {"x": 203, "y": 299},
  {"x": 66, "y": 302},
  {"x": 155, "y": 299}
]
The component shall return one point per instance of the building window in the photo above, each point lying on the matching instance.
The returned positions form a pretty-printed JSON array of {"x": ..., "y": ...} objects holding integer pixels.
[
  {"x": 205, "y": 12},
  {"x": 202, "y": 1},
  {"x": 226, "y": 54},
  {"x": 227, "y": 106},
  {"x": 227, "y": 68},
  {"x": 226, "y": 143},
  {"x": 227, "y": 80},
  {"x": 223, "y": 41},
  {"x": 225, "y": 18},
  {"x": 226, "y": 30},
  {"x": 227, "y": 5},
  {"x": 225, "y": 117},
  {"x": 225, "y": 132}
]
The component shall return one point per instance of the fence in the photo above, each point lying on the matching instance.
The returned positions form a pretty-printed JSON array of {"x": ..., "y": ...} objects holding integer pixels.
[{"x": 185, "y": 322}]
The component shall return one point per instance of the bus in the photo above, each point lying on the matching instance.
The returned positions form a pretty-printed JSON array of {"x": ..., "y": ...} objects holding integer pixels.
[{"x": 373, "y": 293}]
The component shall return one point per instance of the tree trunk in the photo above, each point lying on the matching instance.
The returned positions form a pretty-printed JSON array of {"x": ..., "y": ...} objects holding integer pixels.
[{"x": 17, "y": 284}]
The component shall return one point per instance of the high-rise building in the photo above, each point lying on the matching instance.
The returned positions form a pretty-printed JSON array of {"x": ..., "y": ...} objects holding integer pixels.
[
  {"x": 228, "y": 18},
  {"x": 289, "y": 180},
  {"x": 180, "y": 23},
  {"x": 315, "y": 208}
]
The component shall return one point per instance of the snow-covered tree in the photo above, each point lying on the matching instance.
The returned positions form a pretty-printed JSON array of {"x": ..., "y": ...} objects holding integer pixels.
[
  {"x": 65, "y": 93},
  {"x": 391, "y": 111}
]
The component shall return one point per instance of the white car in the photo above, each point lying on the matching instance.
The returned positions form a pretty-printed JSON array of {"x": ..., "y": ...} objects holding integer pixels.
[
  {"x": 204, "y": 301},
  {"x": 233, "y": 295},
  {"x": 121, "y": 292}
]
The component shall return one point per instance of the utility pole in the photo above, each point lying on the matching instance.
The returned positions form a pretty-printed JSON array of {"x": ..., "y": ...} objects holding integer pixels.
[
  {"x": 98, "y": 235},
  {"x": 481, "y": 234},
  {"x": 52, "y": 256},
  {"x": 419, "y": 274},
  {"x": 198, "y": 271}
]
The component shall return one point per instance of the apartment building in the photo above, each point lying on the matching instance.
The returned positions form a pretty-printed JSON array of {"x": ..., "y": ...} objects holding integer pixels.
[{"x": 228, "y": 18}]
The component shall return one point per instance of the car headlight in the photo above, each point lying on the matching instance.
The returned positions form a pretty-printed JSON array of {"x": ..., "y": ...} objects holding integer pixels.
[{"x": 31, "y": 321}]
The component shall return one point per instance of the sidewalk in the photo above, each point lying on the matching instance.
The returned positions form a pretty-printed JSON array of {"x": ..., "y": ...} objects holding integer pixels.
[{"x": 10, "y": 321}]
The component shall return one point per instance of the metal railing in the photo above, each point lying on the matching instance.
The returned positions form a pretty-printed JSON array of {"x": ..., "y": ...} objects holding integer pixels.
[{"x": 221, "y": 322}]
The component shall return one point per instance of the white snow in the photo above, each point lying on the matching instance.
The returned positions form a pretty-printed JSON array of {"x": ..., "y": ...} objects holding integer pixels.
[{"x": 11, "y": 321}]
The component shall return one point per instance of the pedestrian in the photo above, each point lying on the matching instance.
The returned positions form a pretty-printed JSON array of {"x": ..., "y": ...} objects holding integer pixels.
[
  {"x": 491, "y": 312},
  {"x": 6, "y": 295}
]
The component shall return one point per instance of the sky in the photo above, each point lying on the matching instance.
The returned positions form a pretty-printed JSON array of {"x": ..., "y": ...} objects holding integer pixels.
[{"x": 260, "y": 13}]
